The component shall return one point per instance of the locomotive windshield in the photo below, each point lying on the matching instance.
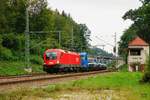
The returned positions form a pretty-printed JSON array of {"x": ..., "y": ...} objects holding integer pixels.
[
  {"x": 51, "y": 55},
  {"x": 83, "y": 57}
]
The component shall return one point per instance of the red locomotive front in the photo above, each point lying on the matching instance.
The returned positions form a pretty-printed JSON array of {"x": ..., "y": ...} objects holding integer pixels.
[
  {"x": 61, "y": 58},
  {"x": 51, "y": 57}
]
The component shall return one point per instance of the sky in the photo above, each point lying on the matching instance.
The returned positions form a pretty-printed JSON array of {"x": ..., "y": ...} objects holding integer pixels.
[{"x": 102, "y": 17}]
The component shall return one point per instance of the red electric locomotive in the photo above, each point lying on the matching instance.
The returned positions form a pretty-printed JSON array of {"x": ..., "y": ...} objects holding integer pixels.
[{"x": 58, "y": 59}]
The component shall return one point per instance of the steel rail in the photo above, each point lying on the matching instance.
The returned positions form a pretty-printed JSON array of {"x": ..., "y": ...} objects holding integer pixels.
[
  {"x": 46, "y": 77},
  {"x": 20, "y": 76}
]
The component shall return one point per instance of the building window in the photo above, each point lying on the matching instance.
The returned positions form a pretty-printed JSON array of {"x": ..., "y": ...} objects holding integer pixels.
[{"x": 135, "y": 52}]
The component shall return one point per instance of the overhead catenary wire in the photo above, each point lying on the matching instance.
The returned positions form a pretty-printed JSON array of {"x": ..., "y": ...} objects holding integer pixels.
[{"x": 104, "y": 41}]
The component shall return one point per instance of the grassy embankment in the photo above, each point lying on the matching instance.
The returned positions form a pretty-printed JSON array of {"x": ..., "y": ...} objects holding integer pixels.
[
  {"x": 121, "y": 86},
  {"x": 17, "y": 68}
]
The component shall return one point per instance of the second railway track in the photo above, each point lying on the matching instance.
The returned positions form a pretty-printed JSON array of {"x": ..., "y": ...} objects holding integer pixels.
[
  {"x": 11, "y": 84},
  {"x": 26, "y": 79}
]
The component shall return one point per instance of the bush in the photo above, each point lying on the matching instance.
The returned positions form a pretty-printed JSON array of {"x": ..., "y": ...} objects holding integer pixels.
[
  {"x": 36, "y": 60},
  {"x": 112, "y": 65},
  {"x": 11, "y": 47},
  {"x": 123, "y": 68},
  {"x": 5, "y": 54},
  {"x": 146, "y": 76}
]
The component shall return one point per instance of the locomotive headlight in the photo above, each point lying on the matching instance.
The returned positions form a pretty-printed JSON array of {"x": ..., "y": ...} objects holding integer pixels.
[
  {"x": 57, "y": 62},
  {"x": 50, "y": 63}
]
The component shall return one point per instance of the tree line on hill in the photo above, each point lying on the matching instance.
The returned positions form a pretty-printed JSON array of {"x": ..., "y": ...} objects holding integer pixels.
[
  {"x": 41, "y": 18},
  {"x": 140, "y": 27}
]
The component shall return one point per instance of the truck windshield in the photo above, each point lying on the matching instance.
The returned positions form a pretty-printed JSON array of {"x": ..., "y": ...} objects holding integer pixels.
[{"x": 51, "y": 55}]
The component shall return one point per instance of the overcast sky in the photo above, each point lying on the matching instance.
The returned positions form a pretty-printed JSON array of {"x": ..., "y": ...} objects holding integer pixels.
[{"x": 103, "y": 17}]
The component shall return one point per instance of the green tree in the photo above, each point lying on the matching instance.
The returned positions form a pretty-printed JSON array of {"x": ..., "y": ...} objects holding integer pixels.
[
  {"x": 140, "y": 27},
  {"x": 141, "y": 19},
  {"x": 41, "y": 18},
  {"x": 3, "y": 19},
  {"x": 128, "y": 35}
]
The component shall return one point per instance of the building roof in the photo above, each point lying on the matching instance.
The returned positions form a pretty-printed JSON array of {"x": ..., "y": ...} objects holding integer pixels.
[{"x": 138, "y": 42}]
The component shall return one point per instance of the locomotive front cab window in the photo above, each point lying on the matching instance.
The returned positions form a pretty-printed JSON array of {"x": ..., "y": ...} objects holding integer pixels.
[
  {"x": 83, "y": 57},
  {"x": 51, "y": 55}
]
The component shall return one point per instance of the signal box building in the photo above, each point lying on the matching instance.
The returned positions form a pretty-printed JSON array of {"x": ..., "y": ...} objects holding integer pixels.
[{"x": 138, "y": 50}]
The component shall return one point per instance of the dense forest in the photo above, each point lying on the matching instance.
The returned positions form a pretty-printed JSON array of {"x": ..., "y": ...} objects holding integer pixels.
[
  {"x": 74, "y": 36},
  {"x": 140, "y": 26}
]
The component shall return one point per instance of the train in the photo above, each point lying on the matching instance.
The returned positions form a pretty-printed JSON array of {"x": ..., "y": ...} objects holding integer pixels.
[{"x": 58, "y": 60}]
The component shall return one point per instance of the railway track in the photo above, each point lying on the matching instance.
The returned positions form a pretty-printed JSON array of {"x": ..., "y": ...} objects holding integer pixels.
[
  {"x": 43, "y": 77},
  {"x": 21, "y": 75}
]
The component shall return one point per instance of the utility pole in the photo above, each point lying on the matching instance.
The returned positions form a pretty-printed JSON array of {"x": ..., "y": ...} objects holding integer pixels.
[
  {"x": 115, "y": 38},
  {"x": 103, "y": 46},
  {"x": 72, "y": 42},
  {"x": 28, "y": 68},
  {"x": 27, "y": 43},
  {"x": 59, "y": 32}
]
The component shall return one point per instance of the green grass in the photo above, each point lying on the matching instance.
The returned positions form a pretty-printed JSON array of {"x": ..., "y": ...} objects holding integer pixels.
[
  {"x": 121, "y": 82},
  {"x": 16, "y": 68}
]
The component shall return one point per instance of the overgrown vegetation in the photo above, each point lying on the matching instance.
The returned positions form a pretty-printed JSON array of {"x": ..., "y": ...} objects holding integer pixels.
[
  {"x": 119, "y": 82},
  {"x": 111, "y": 65},
  {"x": 123, "y": 68},
  {"x": 17, "y": 68},
  {"x": 146, "y": 76}
]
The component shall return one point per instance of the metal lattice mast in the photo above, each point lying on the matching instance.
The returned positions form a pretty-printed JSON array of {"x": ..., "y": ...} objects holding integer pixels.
[
  {"x": 27, "y": 40},
  {"x": 115, "y": 38},
  {"x": 59, "y": 32},
  {"x": 72, "y": 38}
]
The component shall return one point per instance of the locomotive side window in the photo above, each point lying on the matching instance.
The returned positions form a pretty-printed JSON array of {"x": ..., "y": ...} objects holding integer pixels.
[{"x": 51, "y": 55}]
